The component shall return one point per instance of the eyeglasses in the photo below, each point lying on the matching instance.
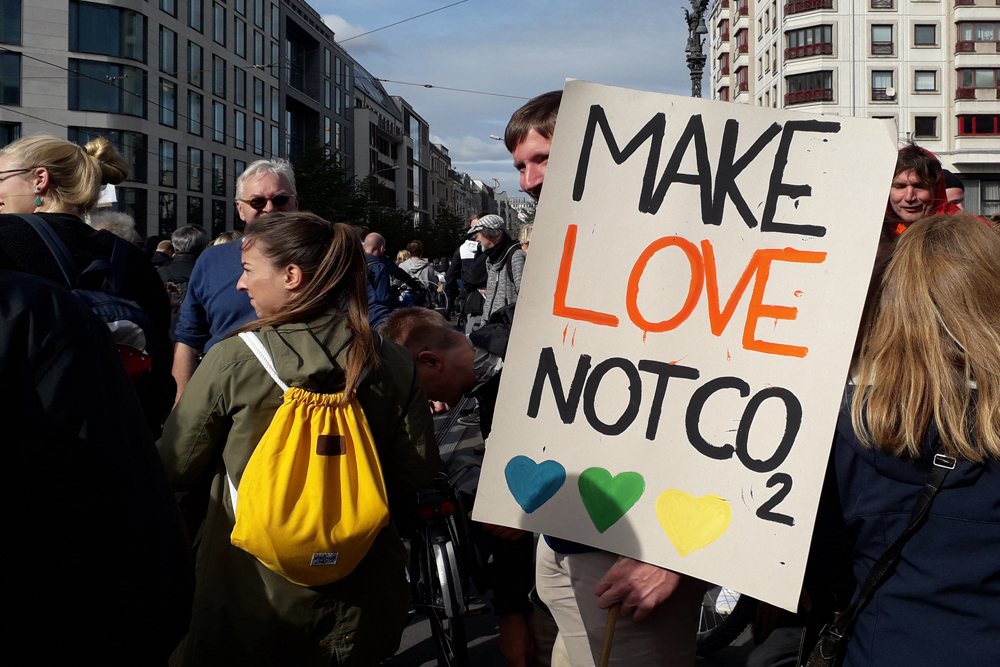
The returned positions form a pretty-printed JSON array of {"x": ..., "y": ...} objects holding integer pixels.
[
  {"x": 258, "y": 203},
  {"x": 13, "y": 171}
]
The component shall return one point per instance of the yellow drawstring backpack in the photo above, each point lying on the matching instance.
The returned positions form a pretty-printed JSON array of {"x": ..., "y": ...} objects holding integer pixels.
[{"x": 312, "y": 499}]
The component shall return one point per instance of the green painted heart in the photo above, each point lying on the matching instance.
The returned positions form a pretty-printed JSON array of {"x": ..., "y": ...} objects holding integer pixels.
[{"x": 607, "y": 498}]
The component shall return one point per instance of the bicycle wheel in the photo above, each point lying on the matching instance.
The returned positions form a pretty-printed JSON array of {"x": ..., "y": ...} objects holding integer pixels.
[
  {"x": 447, "y": 614},
  {"x": 725, "y": 614}
]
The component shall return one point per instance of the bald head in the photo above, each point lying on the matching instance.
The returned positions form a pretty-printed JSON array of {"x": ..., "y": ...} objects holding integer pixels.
[{"x": 375, "y": 244}]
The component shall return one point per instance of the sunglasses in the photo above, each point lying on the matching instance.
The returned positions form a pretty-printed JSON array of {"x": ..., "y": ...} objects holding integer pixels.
[{"x": 258, "y": 203}]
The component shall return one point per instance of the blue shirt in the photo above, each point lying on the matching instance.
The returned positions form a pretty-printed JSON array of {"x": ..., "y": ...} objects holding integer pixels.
[{"x": 213, "y": 306}]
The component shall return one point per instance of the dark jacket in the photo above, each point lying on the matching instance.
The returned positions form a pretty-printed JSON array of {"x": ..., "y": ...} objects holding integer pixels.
[
  {"x": 179, "y": 269},
  {"x": 468, "y": 266},
  {"x": 941, "y": 605},
  {"x": 212, "y": 306},
  {"x": 21, "y": 248},
  {"x": 95, "y": 542},
  {"x": 244, "y": 613}
]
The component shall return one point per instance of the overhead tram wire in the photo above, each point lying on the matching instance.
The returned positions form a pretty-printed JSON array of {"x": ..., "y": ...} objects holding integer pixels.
[
  {"x": 403, "y": 21},
  {"x": 205, "y": 126},
  {"x": 457, "y": 90},
  {"x": 122, "y": 146}
]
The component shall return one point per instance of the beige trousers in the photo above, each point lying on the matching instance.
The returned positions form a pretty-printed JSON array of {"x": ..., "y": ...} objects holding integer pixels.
[{"x": 566, "y": 583}]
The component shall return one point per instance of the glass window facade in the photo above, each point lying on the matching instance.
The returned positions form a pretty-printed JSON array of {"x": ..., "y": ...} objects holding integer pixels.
[
  {"x": 106, "y": 30},
  {"x": 218, "y": 77},
  {"x": 240, "y": 87},
  {"x": 275, "y": 21},
  {"x": 10, "y": 22},
  {"x": 195, "y": 104},
  {"x": 258, "y": 49},
  {"x": 240, "y": 130},
  {"x": 258, "y": 96},
  {"x": 168, "y": 163},
  {"x": 258, "y": 136},
  {"x": 167, "y": 213},
  {"x": 195, "y": 64},
  {"x": 133, "y": 202},
  {"x": 195, "y": 14},
  {"x": 219, "y": 175},
  {"x": 925, "y": 35},
  {"x": 9, "y": 132},
  {"x": 10, "y": 79},
  {"x": 219, "y": 122},
  {"x": 275, "y": 141},
  {"x": 275, "y": 105},
  {"x": 925, "y": 80},
  {"x": 169, "y": 6},
  {"x": 218, "y": 216},
  {"x": 196, "y": 211},
  {"x": 168, "y": 103},
  {"x": 168, "y": 51},
  {"x": 107, "y": 87},
  {"x": 219, "y": 24},
  {"x": 240, "y": 38},
  {"x": 194, "y": 169}
]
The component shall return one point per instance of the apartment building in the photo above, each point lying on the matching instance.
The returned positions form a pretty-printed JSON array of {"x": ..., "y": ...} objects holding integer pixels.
[{"x": 930, "y": 66}]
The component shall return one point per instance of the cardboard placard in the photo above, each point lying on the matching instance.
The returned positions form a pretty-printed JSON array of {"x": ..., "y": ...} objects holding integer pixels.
[{"x": 684, "y": 330}]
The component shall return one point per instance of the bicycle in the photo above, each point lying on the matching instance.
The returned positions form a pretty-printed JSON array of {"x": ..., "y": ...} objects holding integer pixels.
[
  {"x": 725, "y": 614},
  {"x": 445, "y": 559}
]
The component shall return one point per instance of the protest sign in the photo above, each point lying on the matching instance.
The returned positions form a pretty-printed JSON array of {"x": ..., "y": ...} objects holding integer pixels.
[{"x": 684, "y": 330}]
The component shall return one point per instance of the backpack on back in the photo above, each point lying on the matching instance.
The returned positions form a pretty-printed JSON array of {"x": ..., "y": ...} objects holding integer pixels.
[
  {"x": 131, "y": 329},
  {"x": 312, "y": 499}
]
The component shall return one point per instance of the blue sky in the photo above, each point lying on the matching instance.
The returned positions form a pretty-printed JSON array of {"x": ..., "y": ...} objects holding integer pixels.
[{"x": 513, "y": 47}]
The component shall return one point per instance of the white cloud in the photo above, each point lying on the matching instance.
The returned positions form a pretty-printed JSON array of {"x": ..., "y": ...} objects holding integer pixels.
[
  {"x": 468, "y": 148},
  {"x": 343, "y": 30}
]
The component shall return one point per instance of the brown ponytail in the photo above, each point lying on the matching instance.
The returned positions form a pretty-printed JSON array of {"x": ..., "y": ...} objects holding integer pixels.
[{"x": 332, "y": 260}]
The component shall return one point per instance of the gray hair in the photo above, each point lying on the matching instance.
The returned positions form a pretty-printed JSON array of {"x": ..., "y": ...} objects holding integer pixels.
[
  {"x": 277, "y": 166},
  {"x": 189, "y": 238},
  {"x": 118, "y": 223}
]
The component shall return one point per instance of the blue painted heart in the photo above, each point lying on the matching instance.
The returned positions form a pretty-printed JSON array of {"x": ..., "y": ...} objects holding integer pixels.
[{"x": 533, "y": 484}]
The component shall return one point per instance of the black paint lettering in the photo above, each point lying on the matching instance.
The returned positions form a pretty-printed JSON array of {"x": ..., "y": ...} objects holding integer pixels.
[
  {"x": 664, "y": 372},
  {"x": 547, "y": 368},
  {"x": 776, "y": 188},
  {"x": 725, "y": 177},
  {"x": 654, "y": 129},
  {"x": 695, "y": 131},
  {"x": 693, "y": 417},
  {"x": 793, "y": 421},
  {"x": 634, "y": 390},
  {"x": 764, "y": 511}
]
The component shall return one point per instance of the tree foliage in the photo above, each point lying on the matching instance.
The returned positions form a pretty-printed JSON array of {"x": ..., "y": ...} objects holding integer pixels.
[{"x": 326, "y": 189}]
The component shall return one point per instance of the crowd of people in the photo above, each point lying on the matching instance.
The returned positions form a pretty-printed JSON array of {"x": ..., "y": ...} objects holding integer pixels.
[{"x": 136, "y": 379}]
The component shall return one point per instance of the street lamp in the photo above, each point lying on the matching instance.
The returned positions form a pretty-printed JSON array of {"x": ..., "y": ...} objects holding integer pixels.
[{"x": 695, "y": 45}]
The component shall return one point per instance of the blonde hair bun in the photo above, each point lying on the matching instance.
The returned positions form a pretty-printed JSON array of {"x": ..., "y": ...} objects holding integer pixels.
[{"x": 114, "y": 168}]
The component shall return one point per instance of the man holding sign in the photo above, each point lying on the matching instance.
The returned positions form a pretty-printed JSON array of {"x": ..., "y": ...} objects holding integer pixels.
[
  {"x": 677, "y": 407},
  {"x": 569, "y": 575}
]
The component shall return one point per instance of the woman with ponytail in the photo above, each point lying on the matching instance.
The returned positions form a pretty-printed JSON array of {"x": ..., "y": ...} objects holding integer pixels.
[
  {"x": 306, "y": 280},
  {"x": 60, "y": 182}
]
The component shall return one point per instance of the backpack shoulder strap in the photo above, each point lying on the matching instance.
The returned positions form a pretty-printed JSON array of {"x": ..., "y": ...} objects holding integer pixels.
[
  {"x": 263, "y": 357},
  {"x": 119, "y": 256},
  {"x": 58, "y": 249}
]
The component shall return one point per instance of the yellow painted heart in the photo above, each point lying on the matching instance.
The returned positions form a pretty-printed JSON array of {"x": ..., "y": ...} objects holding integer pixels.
[{"x": 692, "y": 523}]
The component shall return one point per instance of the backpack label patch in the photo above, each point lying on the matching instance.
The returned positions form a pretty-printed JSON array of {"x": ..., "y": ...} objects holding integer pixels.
[
  {"x": 325, "y": 559},
  {"x": 330, "y": 445}
]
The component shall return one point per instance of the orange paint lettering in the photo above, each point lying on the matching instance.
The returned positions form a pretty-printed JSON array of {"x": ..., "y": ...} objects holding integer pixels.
[
  {"x": 559, "y": 307},
  {"x": 694, "y": 288},
  {"x": 758, "y": 309}
]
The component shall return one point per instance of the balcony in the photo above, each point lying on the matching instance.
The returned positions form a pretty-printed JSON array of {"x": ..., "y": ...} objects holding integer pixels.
[
  {"x": 743, "y": 7},
  {"x": 883, "y": 4},
  {"x": 725, "y": 34},
  {"x": 806, "y": 96},
  {"x": 824, "y": 49},
  {"x": 743, "y": 86},
  {"x": 965, "y": 3},
  {"x": 724, "y": 69},
  {"x": 743, "y": 48},
  {"x": 882, "y": 48},
  {"x": 965, "y": 94},
  {"x": 965, "y": 47},
  {"x": 880, "y": 95},
  {"x": 799, "y": 6}
]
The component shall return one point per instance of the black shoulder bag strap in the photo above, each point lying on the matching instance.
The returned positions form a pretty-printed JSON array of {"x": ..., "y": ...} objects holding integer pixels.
[
  {"x": 58, "y": 249},
  {"x": 832, "y": 639}
]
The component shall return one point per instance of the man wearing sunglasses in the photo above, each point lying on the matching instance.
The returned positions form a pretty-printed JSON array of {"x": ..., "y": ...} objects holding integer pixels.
[{"x": 213, "y": 307}]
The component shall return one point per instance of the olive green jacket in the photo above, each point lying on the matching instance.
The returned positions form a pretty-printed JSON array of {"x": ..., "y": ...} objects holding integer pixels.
[{"x": 245, "y": 614}]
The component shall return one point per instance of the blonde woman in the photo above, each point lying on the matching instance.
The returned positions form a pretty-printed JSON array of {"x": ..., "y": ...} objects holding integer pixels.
[
  {"x": 927, "y": 383},
  {"x": 60, "y": 182},
  {"x": 306, "y": 280}
]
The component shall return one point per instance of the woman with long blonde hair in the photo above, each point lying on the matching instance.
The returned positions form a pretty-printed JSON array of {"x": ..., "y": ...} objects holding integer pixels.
[
  {"x": 926, "y": 397},
  {"x": 306, "y": 278}
]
